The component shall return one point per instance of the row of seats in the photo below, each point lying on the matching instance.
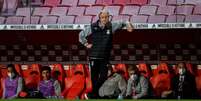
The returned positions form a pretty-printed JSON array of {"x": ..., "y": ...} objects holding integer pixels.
[
  {"x": 120, "y": 52},
  {"x": 132, "y": 10},
  {"x": 153, "y": 11},
  {"x": 83, "y": 52},
  {"x": 71, "y": 83},
  {"x": 90, "y": 19},
  {"x": 72, "y": 3},
  {"x": 83, "y": 59},
  {"x": 66, "y": 74},
  {"x": 143, "y": 46}
]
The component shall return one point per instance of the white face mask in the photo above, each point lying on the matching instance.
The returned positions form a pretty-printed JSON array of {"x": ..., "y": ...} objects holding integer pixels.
[
  {"x": 182, "y": 71},
  {"x": 134, "y": 77},
  {"x": 11, "y": 75}
]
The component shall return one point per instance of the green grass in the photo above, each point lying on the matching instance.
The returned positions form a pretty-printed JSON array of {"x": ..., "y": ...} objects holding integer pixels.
[{"x": 103, "y": 100}]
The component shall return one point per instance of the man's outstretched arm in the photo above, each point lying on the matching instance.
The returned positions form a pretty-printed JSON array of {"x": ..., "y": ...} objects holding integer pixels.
[
  {"x": 82, "y": 36},
  {"x": 129, "y": 26},
  {"x": 120, "y": 24}
]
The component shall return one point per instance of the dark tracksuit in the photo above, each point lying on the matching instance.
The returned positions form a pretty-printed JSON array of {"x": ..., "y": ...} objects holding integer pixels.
[{"x": 99, "y": 54}]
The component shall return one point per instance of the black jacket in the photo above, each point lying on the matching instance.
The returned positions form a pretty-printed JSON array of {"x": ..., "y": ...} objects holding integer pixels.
[
  {"x": 101, "y": 40},
  {"x": 188, "y": 89}
]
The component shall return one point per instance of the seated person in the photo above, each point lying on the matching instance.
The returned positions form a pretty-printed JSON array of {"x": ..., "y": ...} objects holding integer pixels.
[
  {"x": 13, "y": 84},
  {"x": 138, "y": 85},
  {"x": 114, "y": 86},
  {"x": 49, "y": 87},
  {"x": 183, "y": 83},
  {"x": 32, "y": 85}
]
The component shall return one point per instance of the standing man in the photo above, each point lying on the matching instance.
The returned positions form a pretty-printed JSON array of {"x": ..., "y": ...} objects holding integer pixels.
[{"x": 99, "y": 50}]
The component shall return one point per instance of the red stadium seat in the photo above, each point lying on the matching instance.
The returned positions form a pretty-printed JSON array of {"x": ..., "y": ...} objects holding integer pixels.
[
  {"x": 32, "y": 75},
  {"x": 139, "y": 2},
  {"x": 74, "y": 86},
  {"x": 76, "y": 11},
  {"x": 184, "y": 10},
  {"x": 130, "y": 10},
  {"x": 144, "y": 70},
  {"x": 120, "y": 18},
  {"x": 23, "y": 94},
  {"x": 68, "y": 69},
  {"x": 160, "y": 83},
  {"x": 166, "y": 10},
  {"x": 193, "y": 18},
  {"x": 70, "y": 80},
  {"x": 59, "y": 11},
  {"x": 163, "y": 67},
  {"x": 9, "y": 7},
  {"x": 14, "y": 20},
  {"x": 52, "y": 3},
  {"x": 198, "y": 80},
  {"x": 69, "y": 3},
  {"x": 88, "y": 88},
  {"x": 79, "y": 68},
  {"x": 1, "y": 88},
  {"x": 104, "y": 2},
  {"x": 158, "y": 2},
  {"x": 83, "y": 20},
  {"x": 86, "y": 2},
  {"x": 48, "y": 20},
  {"x": 121, "y": 2},
  {"x": 148, "y": 10},
  {"x": 175, "y": 18},
  {"x": 156, "y": 19},
  {"x": 197, "y": 9},
  {"x": 190, "y": 68},
  {"x": 113, "y": 10},
  {"x": 25, "y": 70},
  {"x": 175, "y": 2},
  {"x": 31, "y": 20},
  {"x": 161, "y": 80},
  {"x": 88, "y": 79},
  {"x": 88, "y": 83},
  {"x": 94, "y": 10},
  {"x": 18, "y": 69},
  {"x": 192, "y": 2},
  {"x": 3, "y": 71},
  {"x": 122, "y": 69},
  {"x": 139, "y": 19},
  {"x": 25, "y": 11},
  {"x": 66, "y": 20},
  {"x": 1, "y": 79},
  {"x": 68, "y": 83},
  {"x": 2, "y": 20},
  {"x": 41, "y": 11}
]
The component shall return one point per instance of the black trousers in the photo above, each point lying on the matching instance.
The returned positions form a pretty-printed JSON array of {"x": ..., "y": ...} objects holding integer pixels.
[{"x": 99, "y": 72}]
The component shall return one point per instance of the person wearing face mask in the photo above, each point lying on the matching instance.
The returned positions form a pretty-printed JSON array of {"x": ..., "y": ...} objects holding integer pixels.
[
  {"x": 138, "y": 85},
  {"x": 49, "y": 87},
  {"x": 13, "y": 84},
  {"x": 183, "y": 84},
  {"x": 114, "y": 86}
]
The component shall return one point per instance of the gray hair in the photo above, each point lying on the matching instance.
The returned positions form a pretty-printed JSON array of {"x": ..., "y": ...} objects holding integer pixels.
[{"x": 105, "y": 10}]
